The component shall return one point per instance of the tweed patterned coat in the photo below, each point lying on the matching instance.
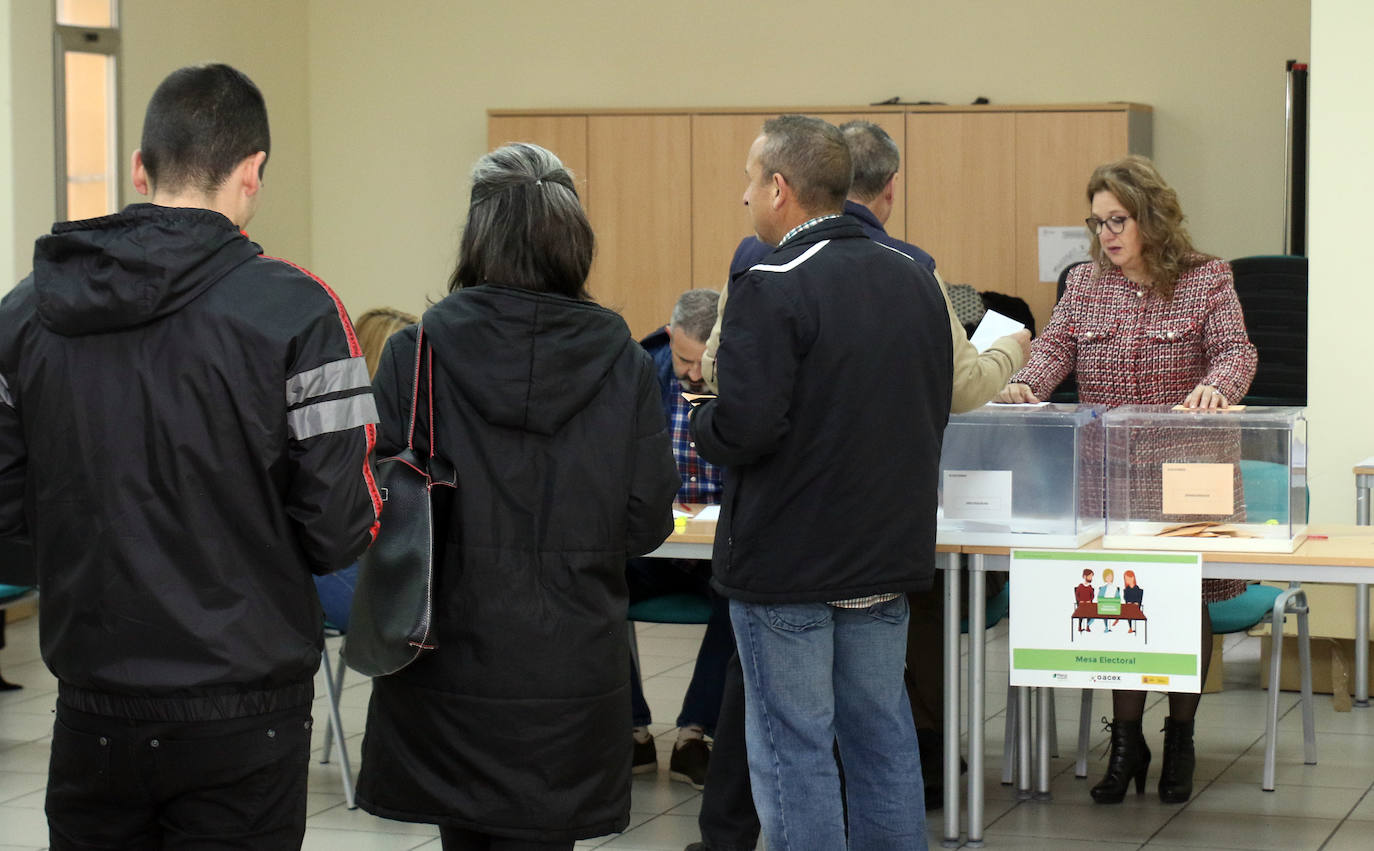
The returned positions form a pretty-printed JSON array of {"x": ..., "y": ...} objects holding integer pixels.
[{"x": 1131, "y": 347}]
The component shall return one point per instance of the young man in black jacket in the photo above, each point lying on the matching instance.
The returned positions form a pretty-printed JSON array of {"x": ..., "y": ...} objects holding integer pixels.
[
  {"x": 835, "y": 377},
  {"x": 185, "y": 435}
]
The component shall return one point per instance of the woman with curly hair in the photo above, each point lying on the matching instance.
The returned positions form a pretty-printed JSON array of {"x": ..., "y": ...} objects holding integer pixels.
[{"x": 1151, "y": 321}]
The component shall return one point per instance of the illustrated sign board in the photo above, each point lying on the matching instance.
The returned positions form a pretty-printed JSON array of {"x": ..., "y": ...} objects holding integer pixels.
[{"x": 1106, "y": 619}]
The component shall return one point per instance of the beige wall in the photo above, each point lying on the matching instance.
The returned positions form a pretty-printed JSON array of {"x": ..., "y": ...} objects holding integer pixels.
[
  {"x": 268, "y": 41},
  {"x": 34, "y": 186},
  {"x": 398, "y": 100},
  {"x": 1341, "y": 305},
  {"x": 6, "y": 152}
]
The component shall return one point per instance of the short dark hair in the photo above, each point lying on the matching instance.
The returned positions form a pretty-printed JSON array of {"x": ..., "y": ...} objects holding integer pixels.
[
  {"x": 812, "y": 157},
  {"x": 526, "y": 227},
  {"x": 875, "y": 155},
  {"x": 202, "y": 121}
]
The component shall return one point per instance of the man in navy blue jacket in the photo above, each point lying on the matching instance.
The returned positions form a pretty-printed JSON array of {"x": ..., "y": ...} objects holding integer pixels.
[{"x": 835, "y": 376}]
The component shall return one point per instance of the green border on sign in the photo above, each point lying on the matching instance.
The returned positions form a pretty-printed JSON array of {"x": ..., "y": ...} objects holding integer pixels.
[
  {"x": 1030, "y": 659},
  {"x": 1052, "y": 555}
]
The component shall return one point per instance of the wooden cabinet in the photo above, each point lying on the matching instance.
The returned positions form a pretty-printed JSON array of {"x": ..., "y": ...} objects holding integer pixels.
[{"x": 663, "y": 188}]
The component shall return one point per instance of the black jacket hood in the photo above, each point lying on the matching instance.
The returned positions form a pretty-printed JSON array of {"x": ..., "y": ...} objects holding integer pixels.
[
  {"x": 553, "y": 352},
  {"x": 128, "y": 269}
]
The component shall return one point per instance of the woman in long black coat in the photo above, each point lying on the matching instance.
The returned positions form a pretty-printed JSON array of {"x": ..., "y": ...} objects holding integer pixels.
[{"x": 511, "y": 734}]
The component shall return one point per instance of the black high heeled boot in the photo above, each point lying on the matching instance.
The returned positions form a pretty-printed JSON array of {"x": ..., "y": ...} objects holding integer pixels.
[
  {"x": 1129, "y": 760},
  {"x": 1176, "y": 775}
]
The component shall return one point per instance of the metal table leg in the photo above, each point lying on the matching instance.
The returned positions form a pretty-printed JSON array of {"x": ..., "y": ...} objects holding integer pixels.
[
  {"x": 1362, "y": 645},
  {"x": 1023, "y": 743},
  {"x": 1045, "y": 721},
  {"x": 977, "y": 670},
  {"x": 1362, "y": 485},
  {"x": 950, "y": 564}
]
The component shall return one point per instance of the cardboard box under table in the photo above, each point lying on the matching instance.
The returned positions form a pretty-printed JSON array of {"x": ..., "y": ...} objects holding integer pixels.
[
  {"x": 1232, "y": 480},
  {"x": 1022, "y": 476}
]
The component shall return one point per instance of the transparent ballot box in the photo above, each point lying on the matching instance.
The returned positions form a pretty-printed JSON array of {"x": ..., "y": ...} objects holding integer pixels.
[
  {"x": 1022, "y": 476},
  {"x": 1232, "y": 480}
]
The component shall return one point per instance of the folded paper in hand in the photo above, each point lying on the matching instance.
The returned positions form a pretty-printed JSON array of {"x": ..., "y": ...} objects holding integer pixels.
[{"x": 994, "y": 327}]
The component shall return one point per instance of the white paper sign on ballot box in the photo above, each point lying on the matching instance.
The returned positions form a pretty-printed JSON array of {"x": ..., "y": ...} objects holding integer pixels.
[{"x": 1106, "y": 619}]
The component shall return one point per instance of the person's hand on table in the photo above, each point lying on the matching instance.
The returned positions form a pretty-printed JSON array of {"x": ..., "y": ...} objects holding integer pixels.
[
  {"x": 1017, "y": 394},
  {"x": 1205, "y": 396}
]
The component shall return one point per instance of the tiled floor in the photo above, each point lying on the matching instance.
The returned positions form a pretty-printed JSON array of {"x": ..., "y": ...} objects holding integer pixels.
[{"x": 1328, "y": 806}]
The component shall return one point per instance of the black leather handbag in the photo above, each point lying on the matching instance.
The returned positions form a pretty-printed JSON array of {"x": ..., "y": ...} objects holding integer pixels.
[{"x": 392, "y": 619}]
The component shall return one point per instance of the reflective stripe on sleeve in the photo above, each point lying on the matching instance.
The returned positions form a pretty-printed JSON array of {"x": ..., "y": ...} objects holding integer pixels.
[
  {"x": 333, "y": 377},
  {"x": 5, "y": 393},
  {"x": 332, "y": 415}
]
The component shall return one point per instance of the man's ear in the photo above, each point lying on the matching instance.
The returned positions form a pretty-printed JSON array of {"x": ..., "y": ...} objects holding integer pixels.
[
  {"x": 253, "y": 172},
  {"x": 890, "y": 190},
  {"x": 249, "y": 173},
  {"x": 668, "y": 329},
  {"x": 140, "y": 174},
  {"x": 781, "y": 191}
]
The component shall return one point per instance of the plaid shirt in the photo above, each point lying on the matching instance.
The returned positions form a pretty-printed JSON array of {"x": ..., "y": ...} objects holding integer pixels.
[
  {"x": 700, "y": 480},
  {"x": 1130, "y": 347}
]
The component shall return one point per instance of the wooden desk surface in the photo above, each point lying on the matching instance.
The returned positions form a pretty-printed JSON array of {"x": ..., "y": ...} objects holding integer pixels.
[
  {"x": 1365, "y": 467},
  {"x": 1327, "y": 544},
  {"x": 703, "y": 532}
]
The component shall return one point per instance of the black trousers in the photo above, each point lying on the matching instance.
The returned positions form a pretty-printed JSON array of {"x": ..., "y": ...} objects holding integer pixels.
[
  {"x": 236, "y": 784},
  {"x": 457, "y": 839},
  {"x": 728, "y": 821}
]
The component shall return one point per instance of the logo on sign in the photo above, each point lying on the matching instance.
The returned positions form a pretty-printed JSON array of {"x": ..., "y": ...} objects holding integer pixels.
[
  {"x": 1106, "y": 678},
  {"x": 1154, "y": 680}
]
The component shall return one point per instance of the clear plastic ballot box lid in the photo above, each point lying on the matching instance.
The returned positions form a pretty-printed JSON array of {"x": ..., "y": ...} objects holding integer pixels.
[
  {"x": 1022, "y": 476},
  {"x": 1230, "y": 479}
]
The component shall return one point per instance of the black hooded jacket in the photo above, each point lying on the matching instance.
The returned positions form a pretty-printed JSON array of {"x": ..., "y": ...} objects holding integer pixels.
[
  {"x": 517, "y": 724},
  {"x": 184, "y": 435}
]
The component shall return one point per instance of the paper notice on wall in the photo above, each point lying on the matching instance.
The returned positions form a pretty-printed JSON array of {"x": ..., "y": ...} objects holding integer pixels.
[
  {"x": 1061, "y": 248},
  {"x": 1199, "y": 489},
  {"x": 977, "y": 495}
]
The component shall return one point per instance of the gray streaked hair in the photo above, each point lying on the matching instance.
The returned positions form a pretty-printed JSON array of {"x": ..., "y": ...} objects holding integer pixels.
[
  {"x": 812, "y": 157},
  {"x": 695, "y": 313},
  {"x": 875, "y": 155},
  {"x": 526, "y": 227}
]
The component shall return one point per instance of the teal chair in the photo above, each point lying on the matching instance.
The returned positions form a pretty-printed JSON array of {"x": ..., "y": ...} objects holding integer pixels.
[
  {"x": 13, "y": 594},
  {"x": 1267, "y": 495},
  {"x": 681, "y": 607}
]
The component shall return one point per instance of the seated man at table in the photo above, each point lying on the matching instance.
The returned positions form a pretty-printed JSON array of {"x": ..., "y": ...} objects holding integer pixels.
[
  {"x": 1083, "y": 593},
  {"x": 676, "y": 349}
]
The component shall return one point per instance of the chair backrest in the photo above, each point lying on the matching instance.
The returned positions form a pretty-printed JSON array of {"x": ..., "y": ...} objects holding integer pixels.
[
  {"x": 1067, "y": 391},
  {"x": 684, "y": 607},
  {"x": 1273, "y": 295},
  {"x": 13, "y": 594}
]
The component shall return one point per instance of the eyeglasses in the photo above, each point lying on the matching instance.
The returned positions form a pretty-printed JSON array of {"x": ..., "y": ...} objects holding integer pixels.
[{"x": 1115, "y": 224}]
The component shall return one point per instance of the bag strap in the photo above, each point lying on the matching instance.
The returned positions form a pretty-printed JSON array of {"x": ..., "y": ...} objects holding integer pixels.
[{"x": 415, "y": 391}]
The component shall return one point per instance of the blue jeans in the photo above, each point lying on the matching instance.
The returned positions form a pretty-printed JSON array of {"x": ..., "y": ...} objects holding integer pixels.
[
  {"x": 336, "y": 595},
  {"x": 816, "y": 675}
]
